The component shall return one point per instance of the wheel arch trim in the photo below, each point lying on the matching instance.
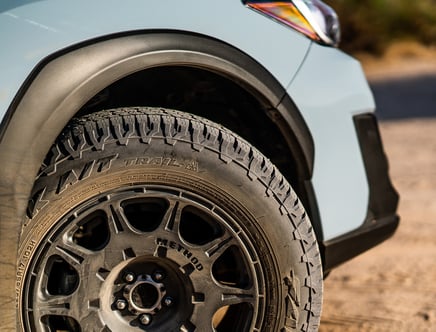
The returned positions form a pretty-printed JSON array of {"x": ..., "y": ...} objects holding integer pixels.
[{"x": 73, "y": 81}]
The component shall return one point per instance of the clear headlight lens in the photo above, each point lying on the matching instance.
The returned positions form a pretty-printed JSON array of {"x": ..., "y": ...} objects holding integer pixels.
[{"x": 312, "y": 18}]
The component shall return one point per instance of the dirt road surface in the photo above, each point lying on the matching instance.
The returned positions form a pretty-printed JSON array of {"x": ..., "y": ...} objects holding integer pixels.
[{"x": 393, "y": 286}]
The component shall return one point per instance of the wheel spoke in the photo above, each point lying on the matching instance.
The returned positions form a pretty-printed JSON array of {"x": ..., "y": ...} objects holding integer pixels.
[
  {"x": 72, "y": 254},
  {"x": 92, "y": 320},
  {"x": 171, "y": 219},
  {"x": 230, "y": 296},
  {"x": 217, "y": 247},
  {"x": 215, "y": 297},
  {"x": 54, "y": 305},
  {"x": 118, "y": 223},
  {"x": 124, "y": 242},
  {"x": 201, "y": 319},
  {"x": 222, "y": 295},
  {"x": 82, "y": 304}
]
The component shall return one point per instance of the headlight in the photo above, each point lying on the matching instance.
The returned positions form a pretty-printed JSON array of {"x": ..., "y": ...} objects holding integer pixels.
[{"x": 312, "y": 18}]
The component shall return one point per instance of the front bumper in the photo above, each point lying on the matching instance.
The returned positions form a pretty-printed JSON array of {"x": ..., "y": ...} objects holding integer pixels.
[{"x": 382, "y": 219}]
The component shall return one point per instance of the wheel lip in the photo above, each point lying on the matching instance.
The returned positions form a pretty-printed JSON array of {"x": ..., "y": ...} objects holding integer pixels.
[{"x": 156, "y": 191}]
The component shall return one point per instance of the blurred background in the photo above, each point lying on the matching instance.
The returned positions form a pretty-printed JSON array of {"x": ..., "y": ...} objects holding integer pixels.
[
  {"x": 371, "y": 26},
  {"x": 393, "y": 286}
]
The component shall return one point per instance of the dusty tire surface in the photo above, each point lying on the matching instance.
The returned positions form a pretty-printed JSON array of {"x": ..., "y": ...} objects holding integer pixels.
[{"x": 153, "y": 219}]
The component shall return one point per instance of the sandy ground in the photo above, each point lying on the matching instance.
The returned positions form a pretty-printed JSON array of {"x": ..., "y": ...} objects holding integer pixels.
[{"x": 393, "y": 286}]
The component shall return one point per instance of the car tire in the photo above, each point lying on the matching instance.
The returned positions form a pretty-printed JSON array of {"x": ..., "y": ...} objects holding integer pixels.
[{"x": 153, "y": 219}]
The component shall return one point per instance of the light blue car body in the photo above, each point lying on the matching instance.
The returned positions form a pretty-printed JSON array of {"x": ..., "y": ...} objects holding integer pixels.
[{"x": 327, "y": 86}]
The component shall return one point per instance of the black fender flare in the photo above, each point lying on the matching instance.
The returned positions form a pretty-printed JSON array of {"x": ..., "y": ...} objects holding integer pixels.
[{"x": 62, "y": 83}]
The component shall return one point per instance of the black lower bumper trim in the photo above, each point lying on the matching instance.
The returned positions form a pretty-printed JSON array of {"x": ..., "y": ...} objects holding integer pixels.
[{"x": 345, "y": 247}]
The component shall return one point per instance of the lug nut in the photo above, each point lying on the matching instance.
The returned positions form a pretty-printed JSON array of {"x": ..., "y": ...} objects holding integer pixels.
[
  {"x": 168, "y": 301},
  {"x": 145, "y": 319},
  {"x": 121, "y": 304},
  {"x": 129, "y": 277},
  {"x": 158, "y": 276}
]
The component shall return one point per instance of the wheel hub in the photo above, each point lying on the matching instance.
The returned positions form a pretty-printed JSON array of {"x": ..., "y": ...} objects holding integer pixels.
[
  {"x": 144, "y": 295},
  {"x": 148, "y": 291}
]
